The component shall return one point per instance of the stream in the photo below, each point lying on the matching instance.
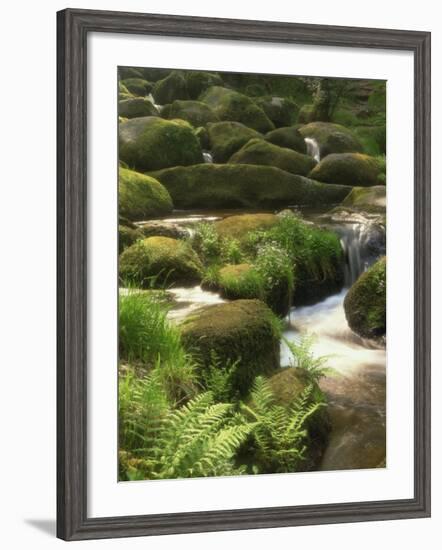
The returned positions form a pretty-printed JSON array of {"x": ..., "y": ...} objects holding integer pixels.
[{"x": 356, "y": 385}]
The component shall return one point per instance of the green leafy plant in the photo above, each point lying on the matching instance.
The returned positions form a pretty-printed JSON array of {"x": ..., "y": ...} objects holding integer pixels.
[
  {"x": 199, "y": 439},
  {"x": 206, "y": 242},
  {"x": 280, "y": 432},
  {"x": 219, "y": 379},
  {"x": 304, "y": 358}
]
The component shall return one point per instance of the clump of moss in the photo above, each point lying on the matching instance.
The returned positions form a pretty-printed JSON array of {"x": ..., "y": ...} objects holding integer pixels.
[
  {"x": 231, "y": 105},
  {"x": 332, "y": 138},
  {"x": 136, "y": 107},
  {"x": 288, "y": 137},
  {"x": 151, "y": 143},
  {"x": 141, "y": 197},
  {"x": 353, "y": 169},
  {"x": 363, "y": 197},
  {"x": 225, "y": 138},
  {"x": 242, "y": 332},
  {"x": 159, "y": 262},
  {"x": 195, "y": 112},
  {"x": 137, "y": 86},
  {"x": 170, "y": 88},
  {"x": 127, "y": 236},
  {"x": 306, "y": 114},
  {"x": 260, "y": 152},
  {"x": 365, "y": 302},
  {"x": 238, "y": 226},
  {"x": 244, "y": 185},
  {"x": 199, "y": 81}
]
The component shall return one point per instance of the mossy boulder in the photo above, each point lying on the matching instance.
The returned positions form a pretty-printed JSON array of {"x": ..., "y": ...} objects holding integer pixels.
[
  {"x": 287, "y": 386},
  {"x": 280, "y": 110},
  {"x": 306, "y": 114},
  {"x": 138, "y": 86},
  {"x": 237, "y": 226},
  {"x": 233, "y": 106},
  {"x": 141, "y": 197},
  {"x": 241, "y": 332},
  {"x": 136, "y": 107},
  {"x": 195, "y": 112},
  {"x": 160, "y": 261},
  {"x": 225, "y": 138},
  {"x": 199, "y": 81},
  {"x": 367, "y": 197},
  {"x": 123, "y": 92},
  {"x": 365, "y": 302},
  {"x": 153, "y": 74},
  {"x": 244, "y": 185},
  {"x": 160, "y": 228},
  {"x": 170, "y": 88},
  {"x": 261, "y": 152},
  {"x": 288, "y": 137},
  {"x": 203, "y": 137},
  {"x": 129, "y": 72},
  {"x": 332, "y": 138},
  {"x": 127, "y": 236},
  {"x": 152, "y": 143},
  {"x": 353, "y": 169}
]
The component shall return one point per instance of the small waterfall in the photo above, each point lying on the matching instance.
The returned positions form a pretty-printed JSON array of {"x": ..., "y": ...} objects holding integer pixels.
[
  {"x": 350, "y": 241},
  {"x": 313, "y": 148},
  {"x": 150, "y": 98},
  {"x": 207, "y": 157}
]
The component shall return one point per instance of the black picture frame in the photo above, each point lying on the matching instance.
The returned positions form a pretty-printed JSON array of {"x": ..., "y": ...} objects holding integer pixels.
[{"x": 73, "y": 27}]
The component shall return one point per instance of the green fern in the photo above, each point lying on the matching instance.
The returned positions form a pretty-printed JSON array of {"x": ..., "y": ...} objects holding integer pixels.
[
  {"x": 304, "y": 358},
  {"x": 280, "y": 432}
]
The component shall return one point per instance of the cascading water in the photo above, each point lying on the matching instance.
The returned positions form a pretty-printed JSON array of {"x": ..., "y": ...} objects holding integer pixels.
[
  {"x": 207, "y": 156},
  {"x": 150, "y": 98},
  {"x": 313, "y": 148}
]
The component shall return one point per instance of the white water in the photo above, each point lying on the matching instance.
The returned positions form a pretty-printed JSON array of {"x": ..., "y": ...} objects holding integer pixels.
[
  {"x": 207, "y": 157},
  {"x": 188, "y": 300},
  {"x": 313, "y": 148},
  {"x": 150, "y": 98}
]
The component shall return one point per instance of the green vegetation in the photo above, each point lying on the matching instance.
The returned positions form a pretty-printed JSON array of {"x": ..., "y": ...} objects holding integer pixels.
[
  {"x": 195, "y": 112},
  {"x": 151, "y": 143},
  {"x": 141, "y": 197},
  {"x": 225, "y": 138},
  {"x": 353, "y": 169},
  {"x": 160, "y": 262},
  {"x": 365, "y": 302},
  {"x": 258, "y": 151}
]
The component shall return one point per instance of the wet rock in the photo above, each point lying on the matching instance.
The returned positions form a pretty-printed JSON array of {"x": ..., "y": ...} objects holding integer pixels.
[
  {"x": 372, "y": 197},
  {"x": 159, "y": 228}
]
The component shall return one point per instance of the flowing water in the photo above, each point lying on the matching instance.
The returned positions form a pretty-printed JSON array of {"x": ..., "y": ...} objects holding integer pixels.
[
  {"x": 313, "y": 148},
  {"x": 355, "y": 387}
]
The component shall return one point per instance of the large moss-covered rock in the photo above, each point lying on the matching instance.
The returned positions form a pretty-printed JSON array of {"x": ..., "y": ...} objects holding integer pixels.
[
  {"x": 137, "y": 86},
  {"x": 199, "y": 81},
  {"x": 136, "y": 107},
  {"x": 129, "y": 72},
  {"x": 153, "y": 74},
  {"x": 225, "y": 138},
  {"x": 141, "y": 197},
  {"x": 160, "y": 261},
  {"x": 258, "y": 151},
  {"x": 160, "y": 228},
  {"x": 367, "y": 197},
  {"x": 170, "y": 88},
  {"x": 353, "y": 169},
  {"x": 231, "y": 105},
  {"x": 237, "y": 226},
  {"x": 280, "y": 110},
  {"x": 332, "y": 138},
  {"x": 244, "y": 185},
  {"x": 195, "y": 112},
  {"x": 241, "y": 332},
  {"x": 306, "y": 114},
  {"x": 123, "y": 92},
  {"x": 151, "y": 143},
  {"x": 288, "y": 137},
  {"x": 365, "y": 302}
]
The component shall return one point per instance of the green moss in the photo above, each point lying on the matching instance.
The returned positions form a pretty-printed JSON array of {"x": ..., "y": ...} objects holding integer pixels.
[
  {"x": 136, "y": 107},
  {"x": 243, "y": 185},
  {"x": 362, "y": 197},
  {"x": 129, "y": 72},
  {"x": 306, "y": 114},
  {"x": 137, "y": 86},
  {"x": 332, "y": 138},
  {"x": 240, "y": 281},
  {"x": 195, "y": 112},
  {"x": 373, "y": 139},
  {"x": 203, "y": 136},
  {"x": 233, "y": 106},
  {"x": 151, "y": 143},
  {"x": 365, "y": 302},
  {"x": 141, "y": 197},
  {"x": 169, "y": 89},
  {"x": 288, "y": 137},
  {"x": 281, "y": 111},
  {"x": 225, "y": 138},
  {"x": 238, "y": 226},
  {"x": 260, "y": 152},
  {"x": 123, "y": 92},
  {"x": 199, "y": 81},
  {"x": 242, "y": 332},
  {"x": 127, "y": 236},
  {"x": 353, "y": 169},
  {"x": 159, "y": 262}
]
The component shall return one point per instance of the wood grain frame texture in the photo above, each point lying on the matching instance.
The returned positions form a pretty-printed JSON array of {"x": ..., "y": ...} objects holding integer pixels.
[{"x": 73, "y": 27}]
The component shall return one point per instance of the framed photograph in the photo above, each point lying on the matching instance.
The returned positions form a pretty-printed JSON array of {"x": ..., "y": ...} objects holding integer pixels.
[{"x": 234, "y": 349}]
